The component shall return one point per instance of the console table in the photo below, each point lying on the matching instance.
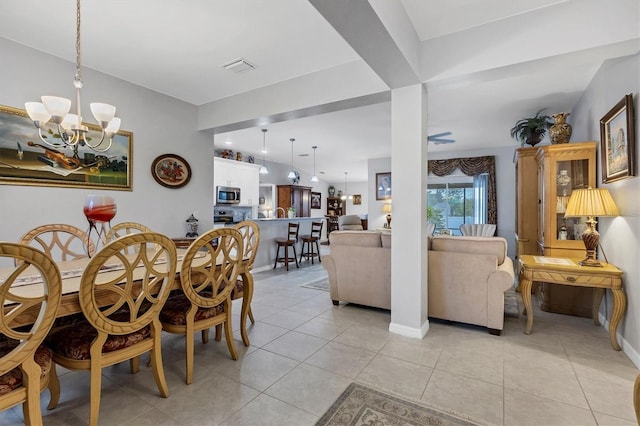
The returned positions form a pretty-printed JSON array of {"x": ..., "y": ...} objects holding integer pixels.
[{"x": 567, "y": 271}]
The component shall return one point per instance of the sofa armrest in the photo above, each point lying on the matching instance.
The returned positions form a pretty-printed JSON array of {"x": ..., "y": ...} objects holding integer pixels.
[
  {"x": 499, "y": 281},
  {"x": 329, "y": 264}
]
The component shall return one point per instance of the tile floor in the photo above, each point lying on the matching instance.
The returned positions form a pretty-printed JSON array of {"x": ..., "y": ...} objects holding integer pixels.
[{"x": 304, "y": 352}]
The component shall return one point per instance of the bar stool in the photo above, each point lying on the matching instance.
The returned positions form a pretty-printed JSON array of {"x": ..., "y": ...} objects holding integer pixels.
[
  {"x": 310, "y": 241},
  {"x": 292, "y": 239}
]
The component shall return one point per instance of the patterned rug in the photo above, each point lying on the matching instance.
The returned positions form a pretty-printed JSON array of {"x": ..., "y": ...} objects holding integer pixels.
[
  {"x": 511, "y": 307},
  {"x": 361, "y": 405}
]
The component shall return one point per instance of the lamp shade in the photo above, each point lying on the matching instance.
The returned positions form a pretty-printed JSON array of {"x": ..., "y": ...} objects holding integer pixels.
[
  {"x": 591, "y": 202},
  {"x": 386, "y": 208}
]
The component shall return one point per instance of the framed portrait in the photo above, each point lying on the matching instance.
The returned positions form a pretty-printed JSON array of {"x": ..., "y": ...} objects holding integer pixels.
[
  {"x": 316, "y": 200},
  {"x": 171, "y": 171},
  {"x": 383, "y": 186},
  {"x": 25, "y": 159},
  {"x": 357, "y": 199},
  {"x": 617, "y": 141}
]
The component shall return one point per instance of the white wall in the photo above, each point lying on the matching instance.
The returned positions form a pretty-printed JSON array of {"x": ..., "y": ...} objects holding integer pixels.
[
  {"x": 160, "y": 125},
  {"x": 620, "y": 237}
]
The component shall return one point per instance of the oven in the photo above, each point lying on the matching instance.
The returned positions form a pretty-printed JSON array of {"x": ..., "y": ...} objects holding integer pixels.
[{"x": 227, "y": 195}]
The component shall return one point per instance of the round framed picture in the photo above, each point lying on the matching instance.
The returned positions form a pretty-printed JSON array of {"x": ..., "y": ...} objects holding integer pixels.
[{"x": 171, "y": 170}]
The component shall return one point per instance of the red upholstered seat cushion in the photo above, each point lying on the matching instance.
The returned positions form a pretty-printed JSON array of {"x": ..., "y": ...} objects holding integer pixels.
[
  {"x": 238, "y": 289},
  {"x": 175, "y": 310},
  {"x": 13, "y": 379}
]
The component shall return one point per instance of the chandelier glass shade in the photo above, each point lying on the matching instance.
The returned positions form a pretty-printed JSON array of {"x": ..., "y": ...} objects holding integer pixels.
[
  {"x": 71, "y": 131},
  {"x": 292, "y": 173},
  {"x": 263, "y": 170},
  {"x": 346, "y": 192},
  {"x": 314, "y": 178}
]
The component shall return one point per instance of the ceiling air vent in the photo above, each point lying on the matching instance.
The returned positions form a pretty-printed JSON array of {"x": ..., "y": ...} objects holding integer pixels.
[{"x": 239, "y": 66}]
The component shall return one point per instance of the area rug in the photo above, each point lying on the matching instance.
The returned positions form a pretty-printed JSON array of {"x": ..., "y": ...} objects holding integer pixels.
[
  {"x": 361, "y": 405},
  {"x": 322, "y": 284}
]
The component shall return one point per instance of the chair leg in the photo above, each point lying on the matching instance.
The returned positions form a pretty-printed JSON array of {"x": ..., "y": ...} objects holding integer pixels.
[
  {"x": 31, "y": 407},
  {"x": 247, "y": 279},
  {"x": 134, "y": 364},
  {"x": 253, "y": 321},
  {"x": 204, "y": 334},
  {"x": 277, "y": 253},
  {"x": 228, "y": 331},
  {"x": 302, "y": 251},
  {"x": 190, "y": 348},
  {"x": 286, "y": 256},
  {"x": 156, "y": 362},
  {"x": 96, "y": 384},
  {"x": 295, "y": 255},
  {"x": 54, "y": 388},
  {"x": 218, "y": 332},
  {"x": 318, "y": 250},
  {"x": 313, "y": 253}
]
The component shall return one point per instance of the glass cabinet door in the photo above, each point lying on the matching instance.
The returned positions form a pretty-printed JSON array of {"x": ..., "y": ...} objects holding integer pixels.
[{"x": 570, "y": 175}]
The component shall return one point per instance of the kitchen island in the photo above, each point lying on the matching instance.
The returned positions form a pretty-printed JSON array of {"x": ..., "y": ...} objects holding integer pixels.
[{"x": 272, "y": 229}]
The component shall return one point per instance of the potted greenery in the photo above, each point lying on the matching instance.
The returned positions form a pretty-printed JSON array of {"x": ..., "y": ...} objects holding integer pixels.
[{"x": 531, "y": 130}]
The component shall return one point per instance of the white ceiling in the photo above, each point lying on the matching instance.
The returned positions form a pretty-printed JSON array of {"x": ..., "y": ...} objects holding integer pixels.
[{"x": 486, "y": 63}]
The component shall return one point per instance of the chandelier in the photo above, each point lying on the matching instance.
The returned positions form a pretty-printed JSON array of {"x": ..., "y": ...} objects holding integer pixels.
[
  {"x": 314, "y": 178},
  {"x": 346, "y": 193},
  {"x": 292, "y": 173},
  {"x": 72, "y": 133},
  {"x": 263, "y": 169}
]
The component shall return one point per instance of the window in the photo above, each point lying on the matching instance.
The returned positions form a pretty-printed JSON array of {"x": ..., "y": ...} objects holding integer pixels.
[{"x": 451, "y": 201}]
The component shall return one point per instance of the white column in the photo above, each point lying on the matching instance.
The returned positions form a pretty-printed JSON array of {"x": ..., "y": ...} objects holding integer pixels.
[{"x": 409, "y": 234}]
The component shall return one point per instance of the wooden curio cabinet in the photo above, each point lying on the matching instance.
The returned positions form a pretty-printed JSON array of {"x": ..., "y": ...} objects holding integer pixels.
[
  {"x": 526, "y": 202},
  {"x": 298, "y": 197},
  {"x": 561, "y": 169},
  {"x": 335, "y": 206}
]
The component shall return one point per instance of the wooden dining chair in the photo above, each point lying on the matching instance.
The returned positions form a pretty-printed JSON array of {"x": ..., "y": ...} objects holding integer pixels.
[
  {"x": 636, "y": 398},
  {"x": 244, "y": 285},
  {"x": 208, "y": 276},
  {"x": 25, "y": 364},
  {"x": 138, "y": 284},
  {"x": 126, "y": 228},
  {"x": 60, "y": 242}
]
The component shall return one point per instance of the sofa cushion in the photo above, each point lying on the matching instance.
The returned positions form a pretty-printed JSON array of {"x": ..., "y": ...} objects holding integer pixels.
[
  {"x": 355, "y": 238},
  {"x": 475, "y": 245}
]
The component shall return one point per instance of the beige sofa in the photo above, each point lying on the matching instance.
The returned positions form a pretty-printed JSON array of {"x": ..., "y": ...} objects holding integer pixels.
[
  {"x": 359, "y": 268},
  {"x": 467, "y": 280},
  {"x": 467, "y": 275}
]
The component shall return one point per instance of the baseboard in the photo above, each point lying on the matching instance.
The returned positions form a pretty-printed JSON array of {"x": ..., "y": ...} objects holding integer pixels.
[
  {"x": 629, "y": 350},
  {"x": 403, "y": 330}
]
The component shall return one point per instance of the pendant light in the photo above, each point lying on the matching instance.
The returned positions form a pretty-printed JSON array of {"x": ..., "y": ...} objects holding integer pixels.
[
  {"x": 263, "y": 169},
  {"x": 314, "y": 178},
  {"x": 346, "y": 196},
  {"x": 292, "y": 174}
]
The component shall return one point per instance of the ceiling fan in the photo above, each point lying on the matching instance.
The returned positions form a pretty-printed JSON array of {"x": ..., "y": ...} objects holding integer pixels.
[{"x": 439, "y": 138}]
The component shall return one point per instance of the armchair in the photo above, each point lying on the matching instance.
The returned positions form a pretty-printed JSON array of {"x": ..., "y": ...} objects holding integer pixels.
[{"x": 350, "y": 222}]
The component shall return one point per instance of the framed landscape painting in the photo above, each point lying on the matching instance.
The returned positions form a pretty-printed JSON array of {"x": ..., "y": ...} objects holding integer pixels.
[
  {"x": 617, "y": 139},
  {"x": 27, "y": 160}
]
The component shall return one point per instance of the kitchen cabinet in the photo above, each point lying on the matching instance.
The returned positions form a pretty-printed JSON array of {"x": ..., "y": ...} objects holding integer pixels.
[
  {"x": 298, "y": 197},
  {"x": 240, "y": 175},
  {"x": 561, "y": 169}
]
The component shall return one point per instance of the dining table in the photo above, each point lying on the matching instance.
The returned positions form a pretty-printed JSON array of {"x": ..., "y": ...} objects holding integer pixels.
[{"x": 29, "y": 285}]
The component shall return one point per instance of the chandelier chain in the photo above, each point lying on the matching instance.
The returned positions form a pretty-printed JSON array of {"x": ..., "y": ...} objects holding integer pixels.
[{"x": 78, "y": 75}]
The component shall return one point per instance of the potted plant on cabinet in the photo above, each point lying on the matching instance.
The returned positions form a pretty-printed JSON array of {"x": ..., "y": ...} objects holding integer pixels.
[{"x": 531, "y": 130}]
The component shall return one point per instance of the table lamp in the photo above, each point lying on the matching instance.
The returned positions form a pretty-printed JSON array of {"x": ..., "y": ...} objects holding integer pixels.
[
  {"x": 591, "y": 202},
  {"x": 386, "y": 208}
]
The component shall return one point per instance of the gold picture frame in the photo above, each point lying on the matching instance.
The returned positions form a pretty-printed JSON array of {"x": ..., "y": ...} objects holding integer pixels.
[
  {"x": 26, "y": 160},
  {"x": 618, "y": 142}
]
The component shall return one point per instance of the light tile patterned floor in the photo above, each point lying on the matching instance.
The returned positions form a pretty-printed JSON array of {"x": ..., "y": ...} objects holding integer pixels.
[{"x": 305, "y": 352}]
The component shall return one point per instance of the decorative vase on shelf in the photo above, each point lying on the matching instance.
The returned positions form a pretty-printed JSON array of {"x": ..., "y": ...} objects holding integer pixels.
[
  {"x": 332, "y": 191},
  {"x": 291, "y": 213},
  {"x": 560, "y": 131},
  {"x": 563, "y": 178}
]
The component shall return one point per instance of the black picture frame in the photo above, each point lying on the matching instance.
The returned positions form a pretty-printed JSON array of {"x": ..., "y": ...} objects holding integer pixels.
[
  {"x": 618, "y": 141},
  {"x": 171, "y": 171},
  {"x": 316, "y": 200},
  {"x": 383, "y": 186}
]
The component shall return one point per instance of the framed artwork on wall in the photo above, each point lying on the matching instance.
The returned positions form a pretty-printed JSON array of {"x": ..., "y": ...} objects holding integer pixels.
[
  {"x": 617, "y": 141},
  {"x": 383, "y": 186},
  {"x": 357, "y": 199},
  {"x": 171, "y": 171},
  {"x": 316, "y": 200},
  {"x": 27, "y": 160}
]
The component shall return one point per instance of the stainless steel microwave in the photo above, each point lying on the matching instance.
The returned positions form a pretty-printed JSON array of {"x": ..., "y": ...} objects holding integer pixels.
[{"x": 227, "y": 195}]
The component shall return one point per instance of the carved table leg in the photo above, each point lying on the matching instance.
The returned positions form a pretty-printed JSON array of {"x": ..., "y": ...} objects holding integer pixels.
[
  {"x": 598, "y": 293},
  {"x": 525, "y": 291},
  {"x": 619, "y": 305}
]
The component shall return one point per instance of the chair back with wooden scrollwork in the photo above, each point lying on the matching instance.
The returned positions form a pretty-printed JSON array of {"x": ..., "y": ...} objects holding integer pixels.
[
  {"x": 251, "y": 239},
  {"x": 59, "y": 241},
  {"x": 126, "y": 228},
  {"x": 25, "y": 364}
]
